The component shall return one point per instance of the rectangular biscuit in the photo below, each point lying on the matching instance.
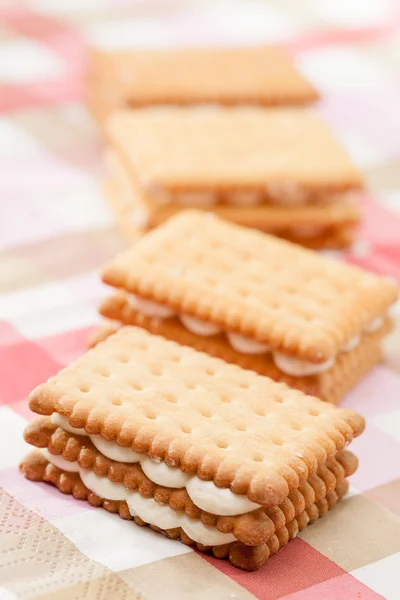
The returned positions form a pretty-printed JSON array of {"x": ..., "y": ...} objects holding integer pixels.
[
  {"x": 330, "y": 226},
  {"x": 199, "y": 414},
  {"x": 254, "y": 288},
  {"x": 231, "y": 155},
  {"x": 252, "y": 75},
  {"x": 256, "y": 533},
  {"x": 331, "y": 385}
]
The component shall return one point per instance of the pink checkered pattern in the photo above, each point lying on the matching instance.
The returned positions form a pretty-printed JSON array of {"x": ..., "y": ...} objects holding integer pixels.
[{"x": 55, "y": 233}]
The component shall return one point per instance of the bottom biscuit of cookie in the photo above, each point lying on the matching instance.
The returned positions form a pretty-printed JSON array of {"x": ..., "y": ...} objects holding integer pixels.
[
  {"x": 76, "y": 452},
  {"x": 36, "y": 467}
]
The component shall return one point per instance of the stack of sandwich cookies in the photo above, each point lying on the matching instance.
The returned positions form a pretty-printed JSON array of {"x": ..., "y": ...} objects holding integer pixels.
[
  {"x": 192, "y": 446},
  {"x": 227, "y": 76},
  {"x": 252, "y": 299},
  {"x": 280, "y": 171}
]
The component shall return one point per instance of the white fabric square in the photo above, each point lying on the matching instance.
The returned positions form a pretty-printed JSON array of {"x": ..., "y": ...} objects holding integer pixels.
[
  {"x": 64, "y": 8},
  {"x": 116, "y": 543},
  {"x": 32, "y": 301},
  {"x": 383, "y": 576},
  {"x": 364, "y": 153},
  {"x": 391, "y": 201},
  {"x": 24, "y": 61},
  {"x": 129, "y": 33},
  {"x": 12, "y": 445},
  {"x": 250, "y": 23},
  {"x": 389, "y": 423},
  {"x": 56, "y": 320},
  {"x": 14, "y": 141},
  {"x": 7, "y": 595},
  {"x": 81, "y": 209},
  {"x": 357, "y": 13},
  {"x": 341, "y": 67}
]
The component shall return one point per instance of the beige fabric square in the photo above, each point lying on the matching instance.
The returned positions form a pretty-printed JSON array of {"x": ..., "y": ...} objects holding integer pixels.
[
  {"x": 38, "y": 561},
  {"x": 359, "y": 532},
  {"x": 105, "y": 588},
  {"x": 184, "y": 576}
]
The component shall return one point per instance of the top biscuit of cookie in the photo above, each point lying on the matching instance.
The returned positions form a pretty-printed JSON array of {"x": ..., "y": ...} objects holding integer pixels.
[
  {"x": 216, "y": 420},
  {"x": 300, "y": 303},
  {"x": 228, "y": 149},
  {"x": 259, "y": 75}
]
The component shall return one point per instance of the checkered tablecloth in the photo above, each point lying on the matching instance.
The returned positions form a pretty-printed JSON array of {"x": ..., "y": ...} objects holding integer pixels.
[{"x": 55, "y": 233}]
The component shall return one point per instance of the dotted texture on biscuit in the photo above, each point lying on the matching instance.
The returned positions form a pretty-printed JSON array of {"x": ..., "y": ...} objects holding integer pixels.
[
  {"x": 231, "y": 148},
  {"x": 225, "y": 424},
  {"x": 260, "y": 75},
  {"x": 297, "y": 301}
]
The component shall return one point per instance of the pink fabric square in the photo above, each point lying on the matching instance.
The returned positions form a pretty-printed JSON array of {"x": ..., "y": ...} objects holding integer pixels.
[
  {"x": 23, "y": 366},
  {"x": 293, "y": 568},
  {"x": 343, "y": 587},
  {"x": 53, "y": 33},
  {"x": 67, "y": 347},
  {"x": 380, "y": 226},
  {"x": 377, "y": 452},
  {"x": 21, "y": 407},
  {"x": 8, "y": 335},
  {"x": 377, "y": 393}
]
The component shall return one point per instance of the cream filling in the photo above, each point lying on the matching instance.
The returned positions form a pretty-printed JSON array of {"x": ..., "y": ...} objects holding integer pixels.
[
  {"x": 112, "y": 450},
  {"x": 298, "y": 368},
  {"x": 284, "y": 193},
  {"x": 150, "y": 511},
  {"x": 246, "y": 345},
  {"x": 161, "y": 474},
  {"x": 198, "y": 327},
  {"x": 351, "y": 344},
  {"x": 204, "y": 494},
  {"x": 63, "y": 422},
  {"x": 60, "y": 462},
  {"x": 374, "y": 325},
  {"x": 152, "y": 309}
]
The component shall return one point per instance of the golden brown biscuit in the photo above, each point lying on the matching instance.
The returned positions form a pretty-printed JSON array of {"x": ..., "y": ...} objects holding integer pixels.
[
  {"x": 289, "y": 300},
  {"x": 257, "y": 75},
  {"x": 197, "y": 413},
  {"x": 231, "y": 155}
]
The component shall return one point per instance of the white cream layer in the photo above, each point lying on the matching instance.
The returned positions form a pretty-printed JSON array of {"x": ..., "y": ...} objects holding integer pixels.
[
  {"x": 243, "y": 344},
  {"x": 60, "y": 462},
  {"x": 147, "y": 509},
  {"x": 279, "y": 193},
  {"x": 204, "y": 494}
]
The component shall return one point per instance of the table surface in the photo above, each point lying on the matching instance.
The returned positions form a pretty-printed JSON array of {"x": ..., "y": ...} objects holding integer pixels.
[{"x": 55, "y": 233}]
